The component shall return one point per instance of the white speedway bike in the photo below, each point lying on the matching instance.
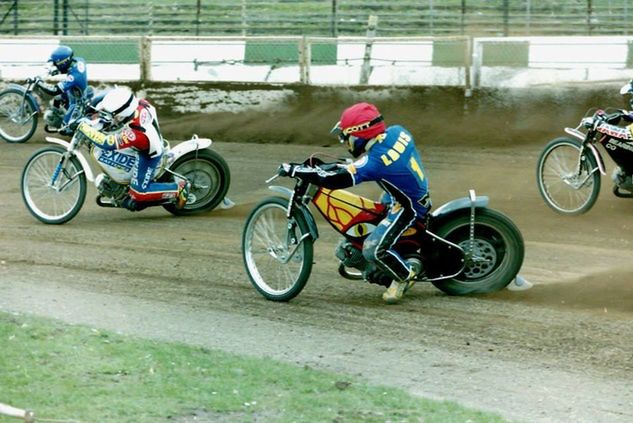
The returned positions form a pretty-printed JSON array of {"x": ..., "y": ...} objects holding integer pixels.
[{"x": 54, "y": 179}]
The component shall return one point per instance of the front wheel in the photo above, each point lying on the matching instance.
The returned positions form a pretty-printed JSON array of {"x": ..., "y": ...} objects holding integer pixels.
[
  {"x": 18, "y": 116},
  {"x": 568, "y": 181},
  {"x": 53, "y": 187},
  {"x": 209, "y": 176},
  {"x": 277, "y": 251},
  {"x": 493, "y": 257}
]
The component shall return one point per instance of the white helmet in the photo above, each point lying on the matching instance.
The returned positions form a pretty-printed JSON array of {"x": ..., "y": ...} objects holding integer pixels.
[{"x": 118, "y": 106}]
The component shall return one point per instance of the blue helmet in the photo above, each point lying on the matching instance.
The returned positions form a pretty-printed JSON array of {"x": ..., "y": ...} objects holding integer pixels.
[{"x": 62, "y": 58}]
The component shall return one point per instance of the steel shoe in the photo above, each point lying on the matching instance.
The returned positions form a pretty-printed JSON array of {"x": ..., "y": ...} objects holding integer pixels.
[
  {"x": 394, "y": 293},
  {"x": 183, "y": 195}
]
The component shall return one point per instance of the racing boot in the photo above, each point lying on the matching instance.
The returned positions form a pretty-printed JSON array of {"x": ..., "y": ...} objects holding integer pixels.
[
  {"x": 183, "y": 194},
  {"x": 396, "y": 290}
]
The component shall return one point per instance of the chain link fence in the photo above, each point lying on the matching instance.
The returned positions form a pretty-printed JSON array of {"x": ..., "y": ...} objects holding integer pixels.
[{"x": 330, "y": 18}]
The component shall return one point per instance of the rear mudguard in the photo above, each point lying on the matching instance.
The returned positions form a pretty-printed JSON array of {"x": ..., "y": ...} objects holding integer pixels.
[
  {"x": 85, "y": 164},
  {"x": 312, "y": 227},
  {"x": 576, "y": 133},
  {"x": 30, "y": 96},
  {"x": 188, "y": 146},
  {"x": 459, "y": 204}
]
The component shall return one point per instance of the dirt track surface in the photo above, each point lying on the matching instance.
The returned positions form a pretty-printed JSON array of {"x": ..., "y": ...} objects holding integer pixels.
[{"x": 561, "y": 352}]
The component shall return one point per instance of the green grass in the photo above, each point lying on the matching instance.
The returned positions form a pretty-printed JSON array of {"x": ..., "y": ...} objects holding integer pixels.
[{"x": 75, "y": 373}]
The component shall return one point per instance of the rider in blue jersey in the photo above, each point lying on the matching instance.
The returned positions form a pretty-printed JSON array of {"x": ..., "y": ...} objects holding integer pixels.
[
  {"x": 69, "y": 92},
  {"x": 389, "y": 157}
]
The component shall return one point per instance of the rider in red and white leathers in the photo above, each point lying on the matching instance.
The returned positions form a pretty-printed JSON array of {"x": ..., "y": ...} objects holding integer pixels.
[{"x": 138, "y": 129}]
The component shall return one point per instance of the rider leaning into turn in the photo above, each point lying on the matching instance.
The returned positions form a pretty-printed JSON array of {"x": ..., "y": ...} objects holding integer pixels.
[
  {"x": 127, "y": 122},
  {"x": 389, "y": 157},
  {"x": 69, "y": 92}
]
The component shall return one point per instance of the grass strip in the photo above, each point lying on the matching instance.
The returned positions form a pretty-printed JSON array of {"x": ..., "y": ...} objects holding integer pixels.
[{"x": 80, "y": 374}]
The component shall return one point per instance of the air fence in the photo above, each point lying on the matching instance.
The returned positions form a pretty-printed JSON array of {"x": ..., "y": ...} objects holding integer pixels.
[{"x": 382, "y": 61}]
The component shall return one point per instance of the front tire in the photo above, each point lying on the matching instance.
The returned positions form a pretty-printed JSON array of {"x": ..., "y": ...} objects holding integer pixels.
[
  {"x": 209, "y": 176},
  {"x": 18, "y": 116},
  {"x": 493, "y": 258},
  {"x": 53, "y": 201},
  {"x": 277, "y": 264},
  {"x": 565, "y": 190}
]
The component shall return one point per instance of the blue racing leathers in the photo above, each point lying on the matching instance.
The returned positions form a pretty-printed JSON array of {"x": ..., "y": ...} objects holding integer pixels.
[
  {"x": 71, "y": 90},
  {"x": 392, "y": 161}
]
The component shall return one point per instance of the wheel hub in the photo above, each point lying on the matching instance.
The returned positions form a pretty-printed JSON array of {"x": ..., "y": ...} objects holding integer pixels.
[{"x": 483, "y": 258}]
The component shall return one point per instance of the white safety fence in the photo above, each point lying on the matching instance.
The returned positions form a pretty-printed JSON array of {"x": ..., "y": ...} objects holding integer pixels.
[{"x": 448, "y": 61}]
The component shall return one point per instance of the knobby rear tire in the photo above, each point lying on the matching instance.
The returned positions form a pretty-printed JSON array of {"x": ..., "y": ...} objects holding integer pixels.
[
  {"x": 499, "y": 252},
  {"x": 210, "y": 178}
]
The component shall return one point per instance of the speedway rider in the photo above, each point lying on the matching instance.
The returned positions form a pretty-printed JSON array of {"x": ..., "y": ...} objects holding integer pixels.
[
  {"x": 389, "y": 157},
  {"x": 69, "y": 92},
  {"x": 127, "y": 122}
]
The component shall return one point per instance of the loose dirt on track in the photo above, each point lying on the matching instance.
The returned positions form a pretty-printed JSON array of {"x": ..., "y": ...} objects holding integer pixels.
[{"x": 560, "y": 352}]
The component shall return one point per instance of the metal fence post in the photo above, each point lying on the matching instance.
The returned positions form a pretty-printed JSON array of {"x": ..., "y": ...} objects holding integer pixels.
[
  {"x": 15, "y": 18},
  {"x": 145, "y": 47},
  {"x": 65, "y": 17},
  {"x": 198, "y": 6},
  {"x": 56, "y": 17},
  {"x": 334, "y": 19},
  {"x": 371, "y": 33}
]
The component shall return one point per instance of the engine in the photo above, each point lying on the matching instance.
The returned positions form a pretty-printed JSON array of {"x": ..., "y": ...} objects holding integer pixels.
[
  {"x": 109, "y": 188},
  {"x": 622, "y": 180},
  {"x": 350, "y": 256}
]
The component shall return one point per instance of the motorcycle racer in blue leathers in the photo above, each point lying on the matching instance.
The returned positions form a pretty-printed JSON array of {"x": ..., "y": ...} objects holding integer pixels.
[
  {"x": 68, "y": 92},
  {"x": 390, "y": 158}
]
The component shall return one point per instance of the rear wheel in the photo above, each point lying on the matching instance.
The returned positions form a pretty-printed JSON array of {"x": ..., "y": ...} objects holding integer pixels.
[
  {"x": 277, "y": 257},
  {"x": 493, "y": 258},
  {"x": 209, "y": 176},
  {"x": 564, "y": 188},
  {"x": 18, "y": 116},
  {"x": 53, "y": 189}
]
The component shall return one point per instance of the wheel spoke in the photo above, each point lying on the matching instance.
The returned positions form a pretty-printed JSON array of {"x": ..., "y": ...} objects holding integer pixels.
[
  {"x": 17, "y": 118},
  {"x": 267, "y": 251},
  {"x": 564, "y": 188},
  {"x": 51, "y": 203}
]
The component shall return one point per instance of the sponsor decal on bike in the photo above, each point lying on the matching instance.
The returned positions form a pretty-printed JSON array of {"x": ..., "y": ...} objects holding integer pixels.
[
  {"x": 117, "y": 160},
  {"x": 614, "y": 131},
  {"x": 624, "y": 145}
]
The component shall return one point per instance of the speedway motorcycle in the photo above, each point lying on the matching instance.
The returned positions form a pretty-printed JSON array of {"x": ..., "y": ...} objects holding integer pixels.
[
  {"x": 20, "y": 109},
  {"x": 54, "y": 178},
  {"x": 463, "y": 248},
  {"x": 569, "y": 169}
]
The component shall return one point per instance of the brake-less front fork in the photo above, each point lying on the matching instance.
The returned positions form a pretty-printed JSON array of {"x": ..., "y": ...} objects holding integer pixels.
[{"x": 59, "y": 169}]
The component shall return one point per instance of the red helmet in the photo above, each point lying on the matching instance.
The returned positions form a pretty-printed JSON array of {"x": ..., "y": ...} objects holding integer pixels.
[{"x": 359, "y": 123}]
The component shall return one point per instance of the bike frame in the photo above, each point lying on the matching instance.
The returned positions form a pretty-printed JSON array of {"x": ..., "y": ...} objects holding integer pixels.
[
  {"x": 175, "y": 153},
  {"x": 302, "y": 195}
]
